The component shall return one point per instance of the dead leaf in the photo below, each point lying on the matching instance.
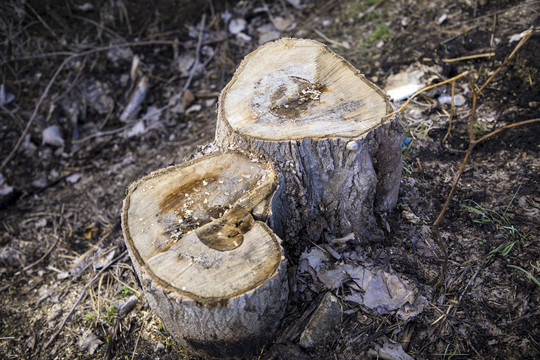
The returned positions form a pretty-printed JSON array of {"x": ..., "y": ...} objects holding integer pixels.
[{"x": 89, "y": 341}]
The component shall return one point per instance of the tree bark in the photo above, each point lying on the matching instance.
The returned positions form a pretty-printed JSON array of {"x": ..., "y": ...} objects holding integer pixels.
[
  {"x": 214, "y": 274},
  {"x": 328, "y": 131}
]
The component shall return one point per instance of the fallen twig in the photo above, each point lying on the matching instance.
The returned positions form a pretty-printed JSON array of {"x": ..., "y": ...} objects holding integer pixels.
[
  {"x": 472, "y": 143},
  {"x": 472, "y": 140},
  {"x": 469, "y": 57},
  {"x": 44, "y": 255},
  {"x": 522, "y": 42}
]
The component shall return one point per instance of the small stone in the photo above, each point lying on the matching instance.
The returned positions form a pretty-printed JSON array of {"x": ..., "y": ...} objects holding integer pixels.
[
  {"x": 41, "y": 223},
  {"x": 237, "y": 25},
  {"x": 52, "y": 136},
  {"x": 352, "y": 146},
  {"x": 296, "y": 3},
  {"x": 85, "y": 7},
  {"x": 136, "y": 130},
  {"x": 267, "y": 33},
  {"x": 459, "y": 100},
  {"x": 324, "y": 319},
  {"x": 405, "y": 21},
  {"x": 210, "y": 102},
  {"x": 243, "y": 37},
  {"x": 159, "y": 347},
  {"x": 5, "y": 97},
  {"x": 5, "y": 189},
  {"x": 73, "y": 178},
  {"x": 445, "y": 99},
  {"x": 194, "y": 108},
  {"x": 63, "y": 275},
  {"x": 442, "y": 18},
  {"x": 284, "y": 23}
]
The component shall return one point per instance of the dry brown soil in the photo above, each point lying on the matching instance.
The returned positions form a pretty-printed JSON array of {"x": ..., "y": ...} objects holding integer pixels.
[{"x": 59, "y": 224}]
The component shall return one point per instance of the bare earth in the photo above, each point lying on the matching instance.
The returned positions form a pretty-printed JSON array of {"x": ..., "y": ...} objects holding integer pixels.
[{"x": 68, "y": 70}]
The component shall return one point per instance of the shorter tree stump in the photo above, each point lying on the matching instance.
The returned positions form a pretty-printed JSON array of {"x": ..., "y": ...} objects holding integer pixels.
[{"x": 214, "y": 274}]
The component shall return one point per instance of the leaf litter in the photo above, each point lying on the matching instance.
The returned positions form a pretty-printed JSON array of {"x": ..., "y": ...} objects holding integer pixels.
[{"x": 393, "y": 300}]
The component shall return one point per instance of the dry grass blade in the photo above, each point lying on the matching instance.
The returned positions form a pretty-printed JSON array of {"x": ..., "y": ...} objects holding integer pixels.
[{"x": 451, "y": 115}]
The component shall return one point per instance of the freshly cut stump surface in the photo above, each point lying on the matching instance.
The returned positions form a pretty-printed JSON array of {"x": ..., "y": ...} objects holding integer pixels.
[
  {"x": 327, "y": 129},
  {"x": 210, "y": 271}
]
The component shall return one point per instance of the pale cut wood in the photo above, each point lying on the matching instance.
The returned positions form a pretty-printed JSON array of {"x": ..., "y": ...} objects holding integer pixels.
[
  {"x": 328, "y": 131},
  {"x": 210, "y": 271}
]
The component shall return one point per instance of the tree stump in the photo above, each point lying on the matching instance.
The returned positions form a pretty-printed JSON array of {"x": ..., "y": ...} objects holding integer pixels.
[
  {"x": 324, "y": 156},
  {"x": 213, "y": 273},
  {"x": 328, "y": 131}
]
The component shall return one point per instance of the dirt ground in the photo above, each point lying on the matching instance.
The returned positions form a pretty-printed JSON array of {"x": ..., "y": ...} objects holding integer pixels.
[{"x": 68, "y": 69}]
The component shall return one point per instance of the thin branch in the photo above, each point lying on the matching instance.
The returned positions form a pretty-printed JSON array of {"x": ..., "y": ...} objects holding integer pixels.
[
  {"x": 472, "y": 119},
  {"x": 99, "y": 26},
  {"x": 454, "y": 185},
  {"x": 507, "y": 127},
  {"x": 469, "y": 57},
  {"x": 34, "y": 113},
  {"x": 44, "y": 255},
  {"x": 472, "y": 140},
  {"x": 444, "y": 267},
  {"x": 467, "y": 156},
  {"x": 95, "y": 49},
  {"x": 530, "y": 32}
]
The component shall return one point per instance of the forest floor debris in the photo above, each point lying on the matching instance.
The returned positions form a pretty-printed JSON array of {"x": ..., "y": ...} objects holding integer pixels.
[{"x": 67, "y": 158}]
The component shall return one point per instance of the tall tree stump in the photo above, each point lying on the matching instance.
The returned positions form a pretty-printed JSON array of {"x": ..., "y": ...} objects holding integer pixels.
[
  {"x": 328, "y": 131},
  {"x": 214, "y": 274}
]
